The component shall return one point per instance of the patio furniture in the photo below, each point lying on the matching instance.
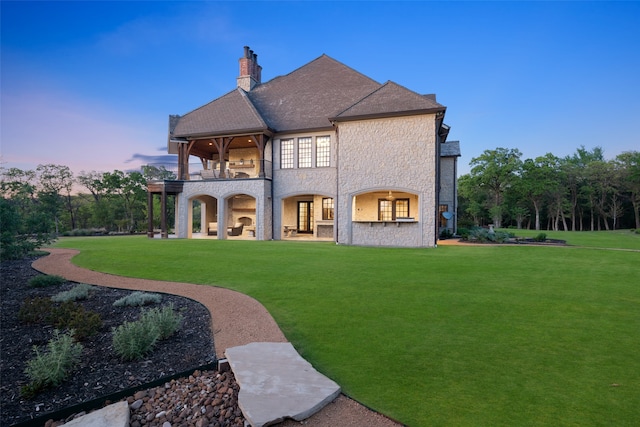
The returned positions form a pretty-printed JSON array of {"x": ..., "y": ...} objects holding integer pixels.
[
  {"x": 236, "y": 230},
  {"x": 212, "y": 230},
  {"x": 208, "y": 174}
]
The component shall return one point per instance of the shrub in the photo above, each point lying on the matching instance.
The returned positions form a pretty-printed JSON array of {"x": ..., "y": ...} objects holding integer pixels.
[
  {"x": 78, "y": 292},
  {"x": 132, "y": 340},
  {"x": 138, "y": 299},
  {"x": 84, "y": 323},
  {"x": 35, "y": 310},
  {"x": 44, "y": 281},
  {"x": 446, "y": 234},
  {"x": 67, "y": 315},
  {"x": 52, "y": 367},
  {"x": 165, "y": 320},
  {"x": 483, "y": 235},
  {"x": 541, "y": 237},
  {"x": 464, "y": 233},
  {"x": 17, "y": 236}
]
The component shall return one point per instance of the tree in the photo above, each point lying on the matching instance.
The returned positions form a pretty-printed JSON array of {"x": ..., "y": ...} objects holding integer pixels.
[
  {"x": 537, "y": 178},
  {"x": 628, "y": 164},
  {"x": 153, "y": 173},
  {"x": 471, "y": 201},
  {"x": 23, "y": 226},
  {"x": 575, "y": 170},
  {"x": 128, "y": 193},
  {"x": 55, "y": 186},
  {"x": 495, "y": 171}
]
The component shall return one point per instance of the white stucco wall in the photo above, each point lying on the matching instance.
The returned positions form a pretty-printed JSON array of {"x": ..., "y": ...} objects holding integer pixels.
[
  {"x": 387, "y": 154},
  {"x": 223, "y": 189}
]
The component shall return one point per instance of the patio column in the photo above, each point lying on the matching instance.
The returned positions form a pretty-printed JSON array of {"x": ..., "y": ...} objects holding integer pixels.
[
  {"x": 222, "y": 144},
  {"x": 163, "y": 217},
  {"x": 149, "y": 214},
  {"x": 260, "y": 142}
]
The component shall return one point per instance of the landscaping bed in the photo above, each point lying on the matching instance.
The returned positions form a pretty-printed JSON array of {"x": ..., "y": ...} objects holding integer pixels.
[{"x": 101, "y": 371}]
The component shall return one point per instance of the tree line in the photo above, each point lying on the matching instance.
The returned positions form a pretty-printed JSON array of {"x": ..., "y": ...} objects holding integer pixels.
[
  {"x": 37, "y": 205},
  {"x": 582, "y": 191}
]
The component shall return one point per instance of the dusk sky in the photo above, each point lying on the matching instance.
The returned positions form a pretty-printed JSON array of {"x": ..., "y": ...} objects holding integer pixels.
[{"x": 90, "y": 85}]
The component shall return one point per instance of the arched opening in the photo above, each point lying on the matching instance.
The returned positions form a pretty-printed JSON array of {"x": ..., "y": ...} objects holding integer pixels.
[
  {"x": 203, "y": 216},
  {"x": 241, "y": 216},
  {"x": 385, "y": 206}
]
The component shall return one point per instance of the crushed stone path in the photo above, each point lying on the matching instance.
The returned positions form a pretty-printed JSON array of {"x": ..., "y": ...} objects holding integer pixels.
[{"x": 236, "y": 318}]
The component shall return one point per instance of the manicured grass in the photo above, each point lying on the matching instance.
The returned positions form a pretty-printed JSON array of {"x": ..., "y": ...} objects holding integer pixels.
[
  {"x": 619, "y": 239},
  {"x": 480, "y": 335}
]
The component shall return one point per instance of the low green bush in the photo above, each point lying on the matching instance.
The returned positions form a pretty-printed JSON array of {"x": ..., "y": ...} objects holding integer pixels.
[
  {"x": 132, "y": 340},
  {"x": 78, "y": 292},
  {"x": 83, "y": 323},
  {"x": 138, "y": 299},
  {"x": 482, "y": 235},
  {"x": 44, "y": 281},
  {"x": 541, "y": 237},
  {"x": 165, "y": 320},
  {"x": 464, "y": 233},
  {"x": 35, "y": 310},
  {"x": 80, "y": 232},
  {"x": 51, "y": 368},
  {"x": 446, "y": 234},
  {"x": 66, "y": 315}
]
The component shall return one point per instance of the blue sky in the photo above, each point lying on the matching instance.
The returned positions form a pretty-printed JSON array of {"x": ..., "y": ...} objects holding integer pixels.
[{"x": 90, "y": 85}]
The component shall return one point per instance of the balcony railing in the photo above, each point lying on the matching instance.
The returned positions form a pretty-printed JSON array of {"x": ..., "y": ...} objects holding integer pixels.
[{"x": 261, "y": 169}]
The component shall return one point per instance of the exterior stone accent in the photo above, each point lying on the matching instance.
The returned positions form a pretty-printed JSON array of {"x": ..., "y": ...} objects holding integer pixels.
[
  {"x": 259, "y": 189},
  {"x": 397, "y": 154}
]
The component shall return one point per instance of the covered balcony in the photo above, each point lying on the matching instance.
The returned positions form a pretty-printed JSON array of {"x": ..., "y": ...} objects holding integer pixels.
[{"x": 233, "y": 157}]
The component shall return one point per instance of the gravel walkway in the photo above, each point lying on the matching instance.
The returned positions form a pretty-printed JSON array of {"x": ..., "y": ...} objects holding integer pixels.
[{"x": 237, "y": 319}]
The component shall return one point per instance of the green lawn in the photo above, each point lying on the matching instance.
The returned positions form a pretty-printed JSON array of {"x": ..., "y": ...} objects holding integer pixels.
[{"x": 481, "y": 335}]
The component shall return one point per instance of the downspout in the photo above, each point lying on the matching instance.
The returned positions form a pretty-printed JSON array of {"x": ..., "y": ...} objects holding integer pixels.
[
  {"x": 336, "y": 220},
  {"x": 455, "y": 195},
  {"x": 273, "y": 222},
  {"x": 437, "y": 182}
]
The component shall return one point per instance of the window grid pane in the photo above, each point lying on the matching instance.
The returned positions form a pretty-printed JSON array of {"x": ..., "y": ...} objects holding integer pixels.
[
  {"x": 327, "y": 208},
  {"x": 286, "y": 154},
  {"x": 323, "y": 151},
  {"x": 304, "y": 152},
  {"x": 402, "y": 208},
  {"x": 385, "y": 210}
]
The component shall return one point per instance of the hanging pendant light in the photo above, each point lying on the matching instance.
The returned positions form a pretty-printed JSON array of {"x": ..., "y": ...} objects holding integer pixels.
[{"x": 390, "y": 196}]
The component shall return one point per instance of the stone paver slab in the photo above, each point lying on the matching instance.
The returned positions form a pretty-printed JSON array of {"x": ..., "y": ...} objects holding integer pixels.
[
  {"x": 115, "y": 415},
  {"x": 277, "y": 383}
]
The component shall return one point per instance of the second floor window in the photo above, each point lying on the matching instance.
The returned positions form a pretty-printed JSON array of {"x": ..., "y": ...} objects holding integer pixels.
[
  {"x": 286, "y": 154},
  {"x": 304, "y": 152},
  {"x": 323, "y": 151}
]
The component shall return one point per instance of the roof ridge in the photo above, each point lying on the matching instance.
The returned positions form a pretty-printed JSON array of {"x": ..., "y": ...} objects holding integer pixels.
[
  {"x": 251, "y": 105},
  {"x": 324, "y": 55}
]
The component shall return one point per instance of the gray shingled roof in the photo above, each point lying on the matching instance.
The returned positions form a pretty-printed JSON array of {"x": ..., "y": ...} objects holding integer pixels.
[
  {"x": 450, "y": 149},
  {"x": 390, "y": 99},
  {"x": 305, "y": 99},
  {"x": 230, "y": 113}
]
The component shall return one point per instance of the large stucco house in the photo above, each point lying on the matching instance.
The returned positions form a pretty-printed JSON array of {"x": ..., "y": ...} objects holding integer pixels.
[{"x": 323, "y": 152}]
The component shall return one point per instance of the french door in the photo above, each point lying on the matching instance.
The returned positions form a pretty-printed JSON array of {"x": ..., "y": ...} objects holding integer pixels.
[{"x": 305, "y": 217}]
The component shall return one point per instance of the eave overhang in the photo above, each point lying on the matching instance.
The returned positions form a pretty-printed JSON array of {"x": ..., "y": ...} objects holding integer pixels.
[{"x": 388, "y": 114}]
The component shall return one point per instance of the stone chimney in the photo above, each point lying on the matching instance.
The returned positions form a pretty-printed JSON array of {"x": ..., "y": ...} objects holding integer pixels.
[{"x": 250, "y": 71}]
